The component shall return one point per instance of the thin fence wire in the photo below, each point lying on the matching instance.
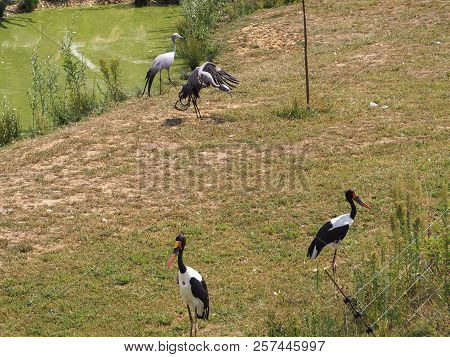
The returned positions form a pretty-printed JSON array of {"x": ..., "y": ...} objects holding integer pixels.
[
  {"x": 390, "y": 284},
  {"x": 404, "y": 293},
  {"x": 398, "y": 255},
  {"x": 413, "y": 261},
  {"x": 417, "y": 311},
  {"x": 420, "y": 307}
]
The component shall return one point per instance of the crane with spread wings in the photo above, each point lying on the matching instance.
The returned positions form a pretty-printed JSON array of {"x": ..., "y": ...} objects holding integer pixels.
[{"x": 208, "y": 74}]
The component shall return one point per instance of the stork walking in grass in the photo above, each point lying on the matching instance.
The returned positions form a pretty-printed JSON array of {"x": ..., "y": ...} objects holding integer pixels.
[
  {"x": 193, "y": 290},
  {"x": 161, "y": 62},
  {"x": 335, "y": 230},
  {"x": 208, "y": 74}
]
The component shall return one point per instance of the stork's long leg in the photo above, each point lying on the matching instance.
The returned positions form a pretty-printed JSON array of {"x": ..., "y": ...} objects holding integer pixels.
[
  {"x": 160, "y": 81},
  {"x": 195, "y": 324},
  {"x": 333, "y": 264},
  {"x": 170, "y": 80},
  {"x": 190, "y": 320}
]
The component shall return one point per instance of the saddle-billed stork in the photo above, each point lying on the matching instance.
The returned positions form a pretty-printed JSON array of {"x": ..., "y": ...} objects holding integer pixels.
[
  {"x": 193, "y": 290},
  {"x": 335, "y": 230}
]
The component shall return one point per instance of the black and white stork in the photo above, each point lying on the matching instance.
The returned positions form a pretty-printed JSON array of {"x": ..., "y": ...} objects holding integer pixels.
[
  {"x": 335, "y": 230},
  {"x": 206, "y": 75},
  {"x": 193, "y": 290}
]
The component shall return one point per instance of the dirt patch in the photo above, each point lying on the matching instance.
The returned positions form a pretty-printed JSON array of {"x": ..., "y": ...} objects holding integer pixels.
[{"x": 266, "y": 34}]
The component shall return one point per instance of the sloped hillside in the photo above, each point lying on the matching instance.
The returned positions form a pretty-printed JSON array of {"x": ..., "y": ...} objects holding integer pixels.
[{"x": 88, "y": 213}]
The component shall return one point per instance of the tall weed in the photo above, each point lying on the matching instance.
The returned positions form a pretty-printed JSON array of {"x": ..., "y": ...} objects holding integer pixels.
[
  {"x": 60, "y": 97},
  {"x": 9, "y": 123},
  {"x": 111, "y": 78}
]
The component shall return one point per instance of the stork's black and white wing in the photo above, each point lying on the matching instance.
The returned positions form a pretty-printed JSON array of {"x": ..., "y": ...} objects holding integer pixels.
[
  {"x": 219, "y": 75},
  {"x": 200, "y": 291},
  {"x": 327, "y": 234}
]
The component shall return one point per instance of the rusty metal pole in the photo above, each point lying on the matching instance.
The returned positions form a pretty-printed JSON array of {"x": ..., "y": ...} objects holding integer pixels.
[{"x": 305, "y": 33}]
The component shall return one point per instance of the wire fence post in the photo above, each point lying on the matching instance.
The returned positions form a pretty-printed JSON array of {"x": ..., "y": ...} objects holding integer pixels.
[
  {"x": 305, "y": 33},
  {"x": 348, "y": 301}
]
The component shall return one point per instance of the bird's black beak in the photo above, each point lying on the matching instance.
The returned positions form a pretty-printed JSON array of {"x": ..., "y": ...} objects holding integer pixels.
[
  {"x": 174, "y": 254},
  {"x": 360, "y": 201}
]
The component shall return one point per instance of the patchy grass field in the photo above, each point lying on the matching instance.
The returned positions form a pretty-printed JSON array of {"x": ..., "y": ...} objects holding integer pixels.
[{"x": 88, "y": 214}]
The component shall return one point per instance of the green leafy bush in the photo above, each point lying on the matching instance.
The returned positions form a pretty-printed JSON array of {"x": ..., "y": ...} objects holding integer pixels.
[
  {"x": 61, "y": 104},
  {"x": 111, "y": 77},
  {"x": 9, "y": 123},
  {"x": 27, "y": 5},
  {"x": 236, "y": 8},
  {"x": 192, "y": 51},
  {"x": 199, "y": 19},
  {"x": 3, "y": 5}
]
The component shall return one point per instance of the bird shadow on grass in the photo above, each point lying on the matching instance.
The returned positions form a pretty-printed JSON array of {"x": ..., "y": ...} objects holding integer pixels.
[{"x": 170, "y": 122}]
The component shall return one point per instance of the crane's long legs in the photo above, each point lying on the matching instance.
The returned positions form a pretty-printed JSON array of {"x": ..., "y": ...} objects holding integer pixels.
[
  {"x": 197, "y": 110},
  {"x": 168, "y": 72},
  {"x": 195, "y": 107},
  {"x": 160, "y": 82},
  {"x": 190, "y": 320}
]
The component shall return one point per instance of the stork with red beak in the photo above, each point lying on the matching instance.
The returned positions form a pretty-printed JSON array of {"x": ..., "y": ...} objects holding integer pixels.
[
  {"x": 193, "y": 290},
  {"x": 335, "y": 230}
]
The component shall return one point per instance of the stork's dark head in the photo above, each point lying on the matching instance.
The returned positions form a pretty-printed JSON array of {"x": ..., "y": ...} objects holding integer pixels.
[
  {"x": 180, "y": 243},
  {"x": 351, "y": 195}
]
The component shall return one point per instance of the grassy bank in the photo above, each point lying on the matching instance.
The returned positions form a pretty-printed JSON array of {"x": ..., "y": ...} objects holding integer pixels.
[{"x": 89, "y": 212}]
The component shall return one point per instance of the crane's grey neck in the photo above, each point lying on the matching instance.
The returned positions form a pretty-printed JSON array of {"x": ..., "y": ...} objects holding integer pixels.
[{"x": 174, "y": 40}]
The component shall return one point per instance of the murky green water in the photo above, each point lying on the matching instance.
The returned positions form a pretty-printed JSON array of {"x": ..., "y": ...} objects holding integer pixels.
[{"x": 134, "y": 35}]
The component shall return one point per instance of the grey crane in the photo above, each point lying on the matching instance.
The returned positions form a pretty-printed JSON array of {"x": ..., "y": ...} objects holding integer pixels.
[
  {"x": 163, "y": 61},
  {"x": 208, "y": 74}
]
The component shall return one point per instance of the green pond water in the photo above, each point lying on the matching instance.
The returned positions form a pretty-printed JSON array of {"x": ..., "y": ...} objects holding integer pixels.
[{"x": 134, "y": 35}]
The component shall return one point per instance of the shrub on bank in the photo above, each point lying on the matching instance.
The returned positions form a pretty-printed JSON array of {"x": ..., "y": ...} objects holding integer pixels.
[
  {"x": 111, "y": 77},
  {"x": 62, "y": 97},
  {"x": 3, "y": 4},
  {"x": 236, "y": 8},
  {"x": 199, "y": 19},
  {"x": 27, "y": 5},
  {"x": 65, "y": 104},
  {"x": 9, "y": 123}
]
